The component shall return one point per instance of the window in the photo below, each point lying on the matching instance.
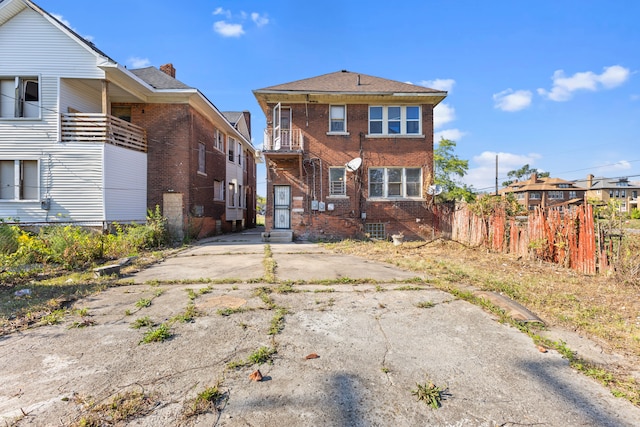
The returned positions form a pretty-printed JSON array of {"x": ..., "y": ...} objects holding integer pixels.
[
  {"x": 534, "y": 196},
  {"x": 19, "y": 97},
  {"x": 231, "y": 198},
  {"x": 19, "y": 180},
  {"x": 375, "y": 231},
  {"x": 556, "y": 195},
  {"x": 395, "y": 120},
  {"x": 338, "y": 118},
  {"x": 232, "y": 147},
  {"x": 123, "y": 112},
  {"x": 218, "y": 190},
  {"x": 218, "y": 140},
  {"x": 337, "y": 182},
  {"x": 623, "y": 193},
  {"x": 573, "y": 194},
  {"x": 240, "y": 201},
  {"x": 564, "y": 185},
  {"x": 240, "y": 154},
  {"x": 395, "y": 182},
  {"x": 634, "y": 194},
  {"x": 519, "y": 196},
  {"x": 610, "y": 193},
  {"x": 201, "y": 159}
]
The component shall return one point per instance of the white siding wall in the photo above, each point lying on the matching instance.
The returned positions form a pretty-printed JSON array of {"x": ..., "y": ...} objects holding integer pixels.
[
  {"x": 79, "y": 96},
  {"x": 125, "y": 184},
  {"x": 235, "y": 174},
  {"x": 70, "y": 174}
]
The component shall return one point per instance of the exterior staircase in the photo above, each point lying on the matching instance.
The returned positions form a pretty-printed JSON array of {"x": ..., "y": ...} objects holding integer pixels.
[{"x": 278, "y": 236}]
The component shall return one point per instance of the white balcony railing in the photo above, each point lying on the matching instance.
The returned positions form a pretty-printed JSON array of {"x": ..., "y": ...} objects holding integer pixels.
[
  {"x": 287, "y": 140},
  {"x": 102, "y": 129}
]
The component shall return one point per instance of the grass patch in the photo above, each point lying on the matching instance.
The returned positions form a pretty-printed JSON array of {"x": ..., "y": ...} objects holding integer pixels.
[
  {"x": 159, "y": 334},
  {"x": 208, "y": 400},
  {"x": 229, "y": 311},
  {"x": 143, "y": 302},
  {"x": 277, "y": 322},
  {"x": 122, "y": 408},
  {"x": 425, "y": 304},
  {"x": 429, "y": 393},
  {"x": 269, "y": 265},
  {"x": 259, "y": 357},
  {"x": 142, "y": 322},
  {"x": 188, "y": 316}
]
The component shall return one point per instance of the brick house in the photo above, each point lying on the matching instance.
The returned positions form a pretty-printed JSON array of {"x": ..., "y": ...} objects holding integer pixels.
[
  {"x": 603, "y": 190},
  {"x": 545, "y": 192},
  {"x": 88, "y": 141},
  {"x": 348, "y": 155}
]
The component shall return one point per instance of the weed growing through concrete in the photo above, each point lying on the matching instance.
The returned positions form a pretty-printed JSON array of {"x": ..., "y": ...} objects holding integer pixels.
[
  {"x": 53, "y": 318},
  {"x": 431, "y": 394},
  {"x": 269, "y": 265},
  {"x": 277, "y": 322},
  {"x": 122, "y": 408},
  {"x": 159, "y": 334},
  {"x": 425, "y": 304},
  {"x": 142, "y": 322},
  {"x": 143, "y": 302},
  {"x": 230, "y": 311},
  {"x": 192, "y": 294},
  {"x": 409, "y": 288},
  {"x": 259, "y": 357},
  {"x": 188, "y": 316},
  {"x": 207, "y": 400},
  {"x": 328, "y": 290}
]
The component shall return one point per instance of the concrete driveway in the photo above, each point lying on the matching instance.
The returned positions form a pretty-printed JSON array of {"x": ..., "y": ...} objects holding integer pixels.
[{"x": 374, "y": 341}]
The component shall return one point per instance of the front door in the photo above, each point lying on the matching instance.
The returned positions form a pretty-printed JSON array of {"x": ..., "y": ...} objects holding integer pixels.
[{"x": 282, "y": 206}]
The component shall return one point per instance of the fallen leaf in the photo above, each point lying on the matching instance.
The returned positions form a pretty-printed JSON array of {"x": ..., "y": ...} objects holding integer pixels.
[
  {"x": 256, "y": 376},
  {"x": 312, "y": 356},
  {"x": 541, "y": 349}
]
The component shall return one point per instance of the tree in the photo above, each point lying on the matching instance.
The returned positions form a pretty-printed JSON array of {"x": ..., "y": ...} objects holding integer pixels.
[
  {"x": 524, "y": 172},
  {"x": 448, "y": 168}
]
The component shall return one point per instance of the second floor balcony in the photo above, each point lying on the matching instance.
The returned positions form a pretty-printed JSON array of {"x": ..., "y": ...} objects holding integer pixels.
[
  {"x": 283, "y": 140},
  {"x": 102, "y": 129}
]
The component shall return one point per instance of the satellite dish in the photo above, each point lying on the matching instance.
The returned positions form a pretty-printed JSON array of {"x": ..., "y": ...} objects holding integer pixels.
[
  {"x": 434, "y": 190},
  {"x": 354, "y": 164}
]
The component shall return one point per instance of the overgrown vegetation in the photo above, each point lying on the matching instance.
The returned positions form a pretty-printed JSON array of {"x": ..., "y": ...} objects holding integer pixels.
[
  {"x": 429, "y": 393},
  {"x": 206, "y": 401}
]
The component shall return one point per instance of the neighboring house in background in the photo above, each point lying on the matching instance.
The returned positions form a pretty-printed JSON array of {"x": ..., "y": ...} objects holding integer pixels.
[
  {"x": 605, "y": 189},
  {"x": 86, "y": 140},
  {"x": 545, "y": 192},
  {"x": 348, "y": 154}
]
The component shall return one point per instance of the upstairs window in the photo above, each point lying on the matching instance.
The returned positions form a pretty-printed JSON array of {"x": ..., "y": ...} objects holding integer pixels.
[
  {"x": 240, "y": 154},
  {"x": 395, "y": 182},
  {"x": 395, "y": 120},
  {"x": 202, "y": 155},
  {"x": 218, "y": 190},
  {"x": 338, "y": 118},
  {"x": 232, "y": 147},
  {"x": 556, "y": 195},
  {"x": 19, "y": 97},
  {"x": 337, "y": 182},
  {"x": 19, "y": 180},
  {"x": 218, "y": 140},
  {"x": 534, "y": 196}
]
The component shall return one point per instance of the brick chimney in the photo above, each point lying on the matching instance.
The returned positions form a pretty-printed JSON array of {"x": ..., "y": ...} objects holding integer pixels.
[
  {"x": 589, "y": 181},
  {"x": 168, "y": 70},
  {"x": 534, "y": 177}
]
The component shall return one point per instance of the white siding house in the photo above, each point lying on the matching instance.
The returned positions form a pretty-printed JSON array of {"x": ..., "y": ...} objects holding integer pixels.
[{"x": 62, "y": 156}]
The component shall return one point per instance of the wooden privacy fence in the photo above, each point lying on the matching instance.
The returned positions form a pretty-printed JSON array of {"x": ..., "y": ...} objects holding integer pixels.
[{"x": 564, "y": 237}]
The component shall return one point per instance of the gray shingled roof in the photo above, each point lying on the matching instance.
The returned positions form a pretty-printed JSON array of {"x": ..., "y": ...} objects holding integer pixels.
[
  {"x": 232, "y": 117},
  {"x": 159, "y": 79},
  {"x": 350, "y": 82}
]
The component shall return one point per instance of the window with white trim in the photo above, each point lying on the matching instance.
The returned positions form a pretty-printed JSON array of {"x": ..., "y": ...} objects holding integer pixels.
[
  {"x": 232, "y": 148},
  {"x": 240, "y": 198},
  {"x": 573, "y": 194},
  {"x": 19, "y": 97},
  {"x": 218, "y": 190},
  {"x": 202, "y": 155},
  {"x": 395, "y": 182},
  {"x": 231, "y": 199},
  {"x": 239, "y": 153},
  {"x": 395, "y": 120},
  {"x": 534, "y": 196},
  {"x": 19, "y": 180},
  {"x": 218, "y": 140},
  {"x": 556, "y": 195},
  {"x": 338, "y": 118},
  {"x": 337, "y": 181}
]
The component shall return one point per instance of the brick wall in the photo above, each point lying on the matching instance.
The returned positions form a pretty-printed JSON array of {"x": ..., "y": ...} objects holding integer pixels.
[{"x": 323, "y": 151}]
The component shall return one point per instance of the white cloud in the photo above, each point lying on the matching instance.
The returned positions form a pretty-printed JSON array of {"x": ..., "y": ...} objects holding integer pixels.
[
  {"x": 616, "y": 167},
  {"x": 440, "y": 84},
  {"x": 224, "y": 12},
  {"x": 68, "y": 24},
  {"x": 260, "y": 20},
  {"x": 443, "y": 113},
  {"x": 450, "y": 134},
  {"x": 226, "y": 29},
  {"x": 563, "y": 86},
  {"x": 510, "y": 100},
  {"x": 136, "y": 62},
  {"x": 482, "y": 173}
]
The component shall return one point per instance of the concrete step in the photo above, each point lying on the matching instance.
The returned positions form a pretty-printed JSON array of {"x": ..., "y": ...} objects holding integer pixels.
[{"x": 278, "y": 236}]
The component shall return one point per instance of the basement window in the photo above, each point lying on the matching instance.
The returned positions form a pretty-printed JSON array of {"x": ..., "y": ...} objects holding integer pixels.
[{"x": 375, "y": 231}]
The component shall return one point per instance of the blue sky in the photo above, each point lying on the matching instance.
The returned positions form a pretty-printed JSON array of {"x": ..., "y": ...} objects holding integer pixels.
[{"x": 553, "y": 84}]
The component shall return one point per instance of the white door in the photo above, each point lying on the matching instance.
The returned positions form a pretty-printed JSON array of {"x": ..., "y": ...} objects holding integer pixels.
[
  {"x": 277, "y": 126},
  {"x": 282, "y": 206}
]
